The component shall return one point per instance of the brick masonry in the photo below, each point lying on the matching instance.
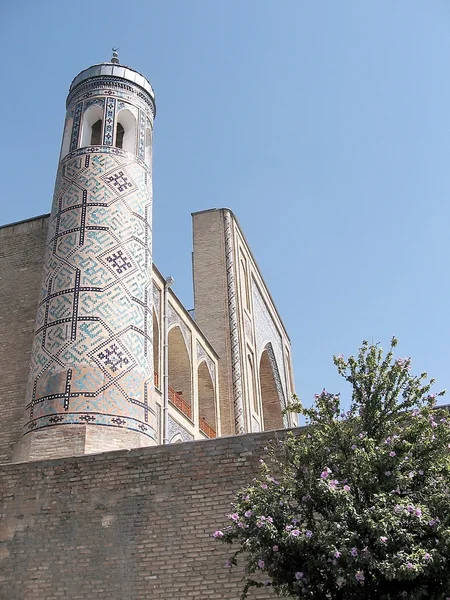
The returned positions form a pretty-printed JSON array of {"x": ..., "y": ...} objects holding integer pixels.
[
  {"x": 124, "y": 525},
  {"x": 21, "y": 260}
]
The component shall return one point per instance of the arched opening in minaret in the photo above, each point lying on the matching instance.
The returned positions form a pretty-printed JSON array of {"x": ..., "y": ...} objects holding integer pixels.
[
  {"x": 92, "y": 127},
  {"x": 179, "y": 372},
  {"x": 271, "y": 406},
  {"x": 156, "y": 346},
  {"x": 126, "y": 131},
  {"x": 206, "y": 401},
  {"x": 96, "y": 135},
  {"x": 120, "y": 132}
]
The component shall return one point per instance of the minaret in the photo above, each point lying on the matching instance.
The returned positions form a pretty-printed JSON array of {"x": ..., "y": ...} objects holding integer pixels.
[{"x": 91, "y": 379}]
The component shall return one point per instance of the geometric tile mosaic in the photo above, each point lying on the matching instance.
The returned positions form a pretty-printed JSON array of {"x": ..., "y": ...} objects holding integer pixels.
[{"x": 92, "y": 358}]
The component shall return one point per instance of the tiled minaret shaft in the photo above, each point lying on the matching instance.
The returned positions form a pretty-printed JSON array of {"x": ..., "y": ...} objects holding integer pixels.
[{"x": 91, "y": 377}]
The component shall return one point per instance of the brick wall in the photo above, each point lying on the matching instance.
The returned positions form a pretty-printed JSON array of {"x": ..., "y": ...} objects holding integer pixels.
[
  {"x": 21, "y": 258},
  {"x": 211, "y": 301},
  {"x": 124, "y": 525}
]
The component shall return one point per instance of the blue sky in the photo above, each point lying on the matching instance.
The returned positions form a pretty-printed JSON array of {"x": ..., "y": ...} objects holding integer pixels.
[{"x": 323, "y": 125}]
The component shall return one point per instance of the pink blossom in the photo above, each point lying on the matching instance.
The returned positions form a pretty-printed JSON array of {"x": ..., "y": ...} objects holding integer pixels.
[
  {"x": 409, "y": 565},
  {"x": 354, "y": 552},
  {"x": 299, "y": 575},
  {"x": 359, "y": 575},
  {"x": 392, "y": 453},
  {"x": 248, "y": 514},
  {"x": 295, "y": 532},
  {"x": 308, "y": 533},
  {"x": 261, "y": 564},
  {"x": 275, "y": 548},
  {"x": 354, "y": 446},
  {"x": 418, "y": 512},
  {"x": 427, "y": 556},
  {"x": 346, "y": 488},
  {"x": 218, "y": 534},
  {"x": 383, "y": 538},
  {"x": 234, "y": 517},
  {"x": 388, "y": 473},
  {"x": 337, "y": 554},
  {"x": 264, "y": 486}
]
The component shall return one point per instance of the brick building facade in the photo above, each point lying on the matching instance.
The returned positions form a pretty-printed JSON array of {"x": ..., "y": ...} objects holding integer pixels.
[{"x": 96, "y": 500}]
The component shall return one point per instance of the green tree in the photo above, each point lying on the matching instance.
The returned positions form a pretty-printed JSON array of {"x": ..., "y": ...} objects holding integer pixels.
[{"x": 357, "y": 504}]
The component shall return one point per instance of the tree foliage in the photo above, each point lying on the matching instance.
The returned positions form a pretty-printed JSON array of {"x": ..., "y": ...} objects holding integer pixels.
[{"x": 356, "y": 505}]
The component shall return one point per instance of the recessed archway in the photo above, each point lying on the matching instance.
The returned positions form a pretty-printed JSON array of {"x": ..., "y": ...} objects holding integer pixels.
[
  {"x": 206, "y": 401},
  {"x": 270, "y": 398},
  {"x": 179, "y": 372}
]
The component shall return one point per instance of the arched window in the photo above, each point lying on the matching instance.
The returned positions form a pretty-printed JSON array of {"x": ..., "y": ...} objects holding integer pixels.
[
  {"x": 179, "y": 373},
  {"x": 206, "y": 401},
  {"x": 96, "y": 136},
  {"x": 126, "y": 129},
  {"x": 120, "y": 131},
  {"x": 92, "y": 128},
  {"x": 272, "y": 415}
]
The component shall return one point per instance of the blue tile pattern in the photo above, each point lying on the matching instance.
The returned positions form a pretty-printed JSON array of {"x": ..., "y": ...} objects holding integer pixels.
[{"x": 92, "y": 359}]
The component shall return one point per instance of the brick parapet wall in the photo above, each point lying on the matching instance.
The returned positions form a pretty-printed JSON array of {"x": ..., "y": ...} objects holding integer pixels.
[{"x": 126, "y": 525}]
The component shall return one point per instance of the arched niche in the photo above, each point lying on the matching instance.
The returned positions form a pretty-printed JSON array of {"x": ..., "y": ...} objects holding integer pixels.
[
  {"x": 92, "y": 126},
  {"x": 156, "y": 351},
  {"x": 126, "y": 131},
  {"x": 270, "y": 398},
  {"x": 179, "y": 372},
  {"x": 176, "y": 439},
  {"x": 206, "y": 401}
]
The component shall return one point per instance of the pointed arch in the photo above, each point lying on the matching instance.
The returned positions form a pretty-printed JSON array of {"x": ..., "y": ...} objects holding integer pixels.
[
  {"x": 90, "y": 135},
  {"x": 272, "y": 397},
  {"x": 126, "y": 131},
  {"x": 180, "y": 381},
  {"x": 206, "y": 401}
]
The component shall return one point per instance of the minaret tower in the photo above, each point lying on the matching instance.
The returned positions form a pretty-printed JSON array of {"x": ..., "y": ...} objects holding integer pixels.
[{"x": 91, "y": 379}]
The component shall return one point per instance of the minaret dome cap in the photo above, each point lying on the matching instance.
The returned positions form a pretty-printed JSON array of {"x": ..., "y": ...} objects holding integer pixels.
[{"x": 113, "y": 69}]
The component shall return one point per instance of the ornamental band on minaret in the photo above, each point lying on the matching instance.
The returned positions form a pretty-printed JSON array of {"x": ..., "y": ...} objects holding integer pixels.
[{"x": 91, "y": 379}]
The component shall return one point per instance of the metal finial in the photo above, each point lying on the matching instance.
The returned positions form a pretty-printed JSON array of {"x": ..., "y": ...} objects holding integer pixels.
[{"x": 115, "y": 56}]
